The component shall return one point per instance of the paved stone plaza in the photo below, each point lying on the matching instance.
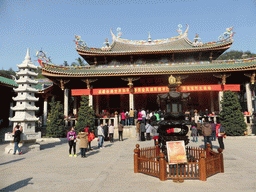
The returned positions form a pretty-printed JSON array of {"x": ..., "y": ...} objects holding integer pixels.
[{"x": 111, "y": 169}]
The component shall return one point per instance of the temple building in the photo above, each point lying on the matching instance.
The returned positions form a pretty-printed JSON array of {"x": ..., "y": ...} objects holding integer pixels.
[{"x": 134, "y": 74}]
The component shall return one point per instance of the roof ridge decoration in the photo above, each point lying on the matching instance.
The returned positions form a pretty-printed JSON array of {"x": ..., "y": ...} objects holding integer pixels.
[
  {"x": 225, "y": 37},
  {"x": 154, "y": 42},
  {"x": 42, "y": 58}
]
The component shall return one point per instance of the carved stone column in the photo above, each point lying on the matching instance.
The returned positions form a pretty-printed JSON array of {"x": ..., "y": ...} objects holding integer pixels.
[
  {"x": 212, "y": 101},
  {"x": 220, "y": 99},
  {"x": 90, "y": 100},
  {"x": 45, "y": 111},
  {"x": 131, "y": 95},
  {"x": 66, "y": 102},
  {"x": 75, "y": 106},
  {"x": 97, "y": 104},
  {"x": 11, "y": 113},
  {"x": 131, "y": 101},
  {"x": 249, "y": 97}
]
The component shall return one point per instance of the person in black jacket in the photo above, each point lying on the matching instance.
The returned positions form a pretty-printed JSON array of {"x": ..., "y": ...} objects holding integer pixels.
[{"x": 16, "y": 134}]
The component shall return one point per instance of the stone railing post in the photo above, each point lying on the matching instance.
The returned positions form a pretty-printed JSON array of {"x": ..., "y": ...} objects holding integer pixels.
[
  {"x": 221, "y": 160},
  {"x": 202, "y": 167},
  {"x": 136, "y": 158},
  {"x": 162, "y": 167}
]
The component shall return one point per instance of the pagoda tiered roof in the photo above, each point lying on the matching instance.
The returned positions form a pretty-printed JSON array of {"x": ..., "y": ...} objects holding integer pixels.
[
  {"x": 25, "y": 98},
  {"x": 26, "y": 72},
  {"x": 215, "y": 66},
  {"x": 30, "y": 81}
]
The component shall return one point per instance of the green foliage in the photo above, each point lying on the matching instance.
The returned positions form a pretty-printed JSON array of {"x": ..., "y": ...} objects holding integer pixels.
[
  {"x": 65, "y": 63},
  {"x": 8, "y": 73},
  {"x": 86, "y": 115},
  {"x": 231, "y": 116},
  {"x": 39, "y": 76},
  {"x": 235, "y": 55},
  {"x": 80, "y": 62},
  {"x": 55, "y": 123}
]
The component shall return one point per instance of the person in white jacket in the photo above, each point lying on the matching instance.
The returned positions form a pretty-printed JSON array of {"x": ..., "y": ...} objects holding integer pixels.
[{"x": 148, "y": 131}]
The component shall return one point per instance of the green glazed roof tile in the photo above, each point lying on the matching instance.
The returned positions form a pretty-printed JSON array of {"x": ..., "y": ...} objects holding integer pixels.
[
  {"x": 8, "y": 81},
  {"x": 155, "y": 68}
]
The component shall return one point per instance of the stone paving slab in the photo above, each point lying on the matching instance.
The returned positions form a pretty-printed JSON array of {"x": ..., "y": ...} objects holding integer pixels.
[{"x": 111, "y": 169}]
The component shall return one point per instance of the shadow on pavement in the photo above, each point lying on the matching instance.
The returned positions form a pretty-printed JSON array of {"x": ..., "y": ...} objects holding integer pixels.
[
  {"x": 51, "y": 145},
  {"x": 12, "y": 161},
  {"x": 17, "y": 185}
]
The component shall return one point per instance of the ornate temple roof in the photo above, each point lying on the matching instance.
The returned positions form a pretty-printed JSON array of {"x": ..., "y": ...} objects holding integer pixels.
[
  {"x": 176, "y": 44},
  {"x": 216, "y": 66}
]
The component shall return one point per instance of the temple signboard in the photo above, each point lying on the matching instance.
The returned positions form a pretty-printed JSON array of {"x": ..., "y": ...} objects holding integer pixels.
[{"x": 176, "y": 152}]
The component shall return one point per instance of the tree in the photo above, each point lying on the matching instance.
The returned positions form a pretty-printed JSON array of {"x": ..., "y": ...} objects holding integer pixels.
[
  {"x": 65, "y": 63},
  {"x": 55, "y": 124},
  {"x": 86, "y": 115},
  {"x": 80, "y": 62},
  {"x": 231, "y": 116},
  {"x": 233, "y": 54}
]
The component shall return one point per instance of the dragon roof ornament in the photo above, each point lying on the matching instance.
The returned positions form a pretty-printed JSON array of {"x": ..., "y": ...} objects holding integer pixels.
[{"x": 152, "y": 42}]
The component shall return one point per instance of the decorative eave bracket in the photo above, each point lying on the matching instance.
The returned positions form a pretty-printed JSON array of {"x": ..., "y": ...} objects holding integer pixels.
[
  {"x": 223, "y": 77},
  {"x": 61, "y": 83},
  {"x": 130, "y": 80},
  {"x": 252, "y": 77},
  {"x": 88, "y": 82}
]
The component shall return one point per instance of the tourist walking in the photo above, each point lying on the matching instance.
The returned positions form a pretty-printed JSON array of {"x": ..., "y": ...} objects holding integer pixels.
[
  {"x": 138, "y": 130},
  {"x": 105, "y": 131},
  {"x": 100, "y": 136},
  {"x": 194, "y": 133},
  {"x": 153, "y": 119},
  {"x": 135, "y": 115},
  {"x": 139, "y": 116},
  {"x": 127, "y": 118},
  {"x": 207, "y": 133},
  {"x": 199, "y": 127},
  {"x": 157, "y": 116},
  {"x": 123, "y": 117},
  {"x": 142, "y": 131},
  {"x": 120, "y": 131},
  {"x": 87, "y": 130},
  {"x": 147, "y": 116},
  {"x": 111, "y": 133},
  {"x": 148, "y": 130},
  {"x": 72, "y": 141},
  {"x": 83, "y": 143},
  {"x": 213, "y": 125},
  {"x": 220, "y": 133},
  {"x": 131, "y": 112},
  {"x": 143, "y": 112},
  {"x": 16, "y": 134}
]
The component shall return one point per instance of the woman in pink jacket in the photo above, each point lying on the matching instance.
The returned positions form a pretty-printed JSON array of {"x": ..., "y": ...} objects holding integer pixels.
[{"x": 72, "y": 141}]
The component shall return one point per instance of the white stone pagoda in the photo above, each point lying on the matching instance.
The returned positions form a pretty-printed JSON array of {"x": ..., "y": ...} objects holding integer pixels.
[{"x": 25, "y": 104}]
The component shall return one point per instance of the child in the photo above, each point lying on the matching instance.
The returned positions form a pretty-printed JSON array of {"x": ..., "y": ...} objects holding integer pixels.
[{"x": 194, "y": 133}]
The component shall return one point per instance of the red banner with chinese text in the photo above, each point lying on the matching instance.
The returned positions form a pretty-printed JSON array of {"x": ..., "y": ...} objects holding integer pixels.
[{"x": 156, "y": 89}]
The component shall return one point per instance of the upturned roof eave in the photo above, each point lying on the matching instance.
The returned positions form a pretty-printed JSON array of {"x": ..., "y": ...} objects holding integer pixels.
[
  {"x": 114, "y": 53},
  {"x": 220, "y": 70}
]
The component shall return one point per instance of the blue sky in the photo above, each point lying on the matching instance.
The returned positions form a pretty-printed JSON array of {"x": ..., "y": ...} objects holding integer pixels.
[{"x": 50, "y": 25}]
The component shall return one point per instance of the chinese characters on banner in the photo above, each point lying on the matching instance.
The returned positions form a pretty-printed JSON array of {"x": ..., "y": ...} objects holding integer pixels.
[
  {"x": 156, "y": 89},
  {"x": 176, "y": 152}
]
